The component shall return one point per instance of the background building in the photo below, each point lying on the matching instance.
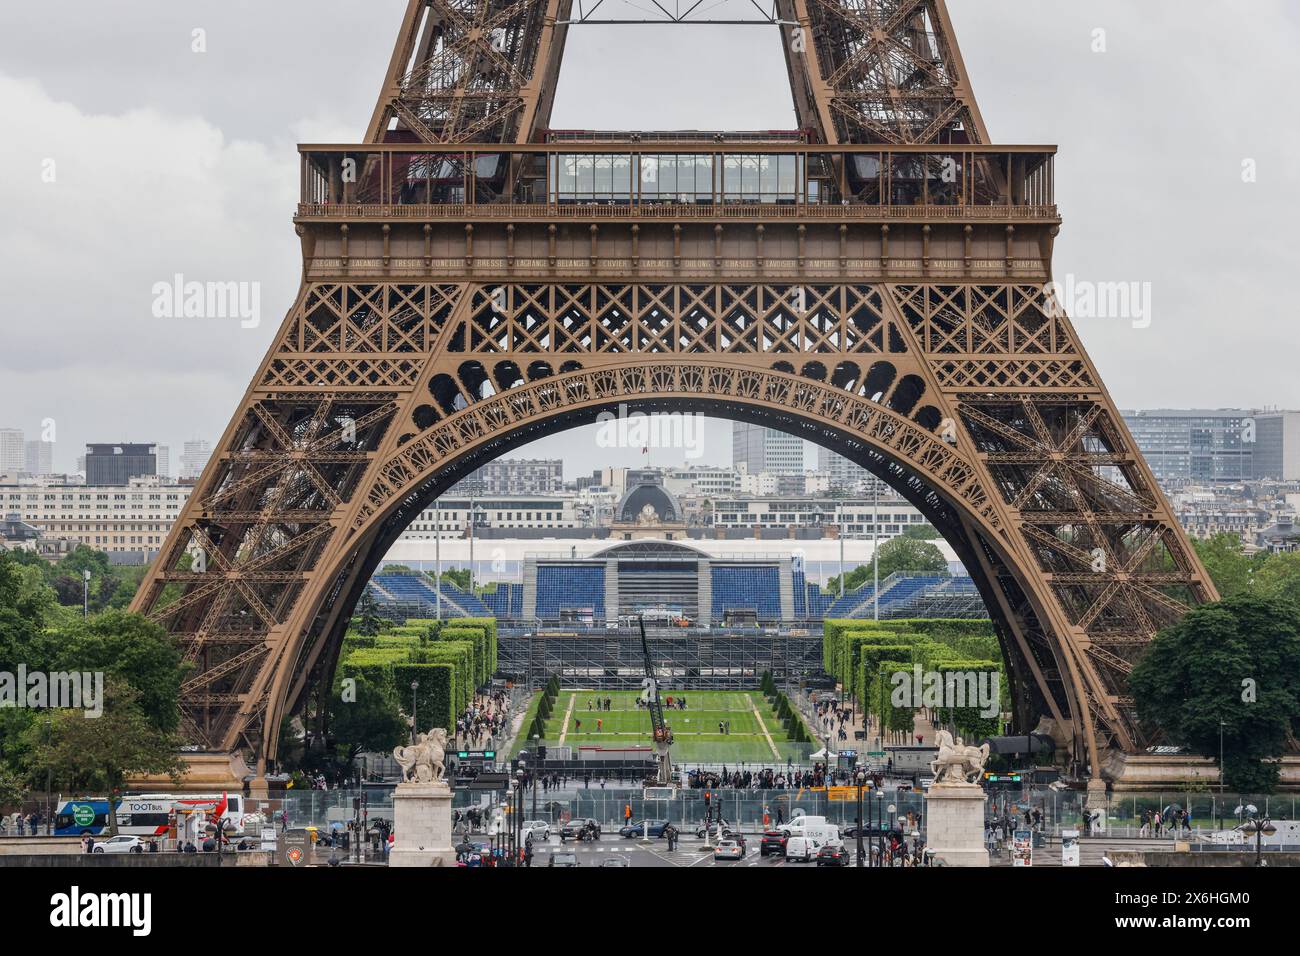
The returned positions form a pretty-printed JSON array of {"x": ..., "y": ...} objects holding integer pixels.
[
  {"x": 1277, "y": 445},
  {"x": 118, "y": 464},
  {"x": 39, "y": 458},
  {"x": 195, "y": 458},
  {"x": 756, "y": 448},
  {"x": 1194, "y": 445},
  {"x": 133, "y": 517},
  {"x": 515, "y": 476},
  {"x": 13, "y": 451}
]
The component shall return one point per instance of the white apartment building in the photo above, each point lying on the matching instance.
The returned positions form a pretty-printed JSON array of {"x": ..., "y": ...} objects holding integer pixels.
[
  {"x": 451, "y": 516},
  {"x": 135, "y": 517},
  {"x": 856, "y": 516}
]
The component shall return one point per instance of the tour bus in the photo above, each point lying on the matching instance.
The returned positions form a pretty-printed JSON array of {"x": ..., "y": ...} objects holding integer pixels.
[
  {"x": 142, "y": 814},
  {"x": 81, "y": 817}
]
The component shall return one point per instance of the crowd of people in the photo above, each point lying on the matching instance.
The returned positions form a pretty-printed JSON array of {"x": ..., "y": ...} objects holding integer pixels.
[
  {"x": 834, "y": 719},
  {"x": 484, "y": 720},
  {"x": 18, "y": 824}
]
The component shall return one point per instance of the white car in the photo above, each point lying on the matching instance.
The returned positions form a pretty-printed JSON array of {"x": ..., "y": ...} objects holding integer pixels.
[
  {"x": 120, "y": 844},
  {"x": 539, "y": 830},
  {"x": 729, "y": 850}
]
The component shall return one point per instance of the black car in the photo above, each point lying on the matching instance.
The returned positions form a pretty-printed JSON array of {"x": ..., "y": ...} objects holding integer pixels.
[
  {"x": 832, "y": 854},
  {"x": 772, "y": 843},
  {"x": 580, "y": 828},
  {"x": 655, "y": 827}
]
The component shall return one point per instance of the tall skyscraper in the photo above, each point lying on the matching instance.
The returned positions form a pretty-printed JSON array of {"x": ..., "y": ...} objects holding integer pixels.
[
  {"x": 765, "y": 449},
  {"x": 195, "y": 457},
  {"x": 39, "y": 458},
  {"x": 13, "y": 451},
  {"x": 118, "y": 464},
  {"x": 164, "y": 466}
]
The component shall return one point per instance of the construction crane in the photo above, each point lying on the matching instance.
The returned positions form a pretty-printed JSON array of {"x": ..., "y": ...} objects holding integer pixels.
[{"x": 663, "y": 734}]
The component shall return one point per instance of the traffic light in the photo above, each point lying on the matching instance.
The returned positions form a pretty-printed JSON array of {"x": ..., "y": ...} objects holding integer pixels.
[{"x": 541, "y": 751}]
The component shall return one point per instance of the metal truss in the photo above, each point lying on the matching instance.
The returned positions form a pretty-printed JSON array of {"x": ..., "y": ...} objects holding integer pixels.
[
  {"x": 603, "y": 661},
  {"x": 922, "y": 347}
]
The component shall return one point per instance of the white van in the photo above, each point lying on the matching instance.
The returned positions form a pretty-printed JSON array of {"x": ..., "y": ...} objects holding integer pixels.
[
  {"x": 814, "y": 829},
  {"x": 798, "y": 850}
]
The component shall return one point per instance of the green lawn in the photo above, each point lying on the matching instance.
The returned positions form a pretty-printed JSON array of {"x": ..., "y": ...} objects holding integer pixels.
[{"x": 695, "y": 730}]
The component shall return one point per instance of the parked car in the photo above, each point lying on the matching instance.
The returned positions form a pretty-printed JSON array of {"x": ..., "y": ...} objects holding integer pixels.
[
  {"x": 121, "y": 844},
  {"x": 539, "y": 830},
  {"x": 563, "y": 858},
  {"x": 655, "y": 828},
  {"x": 729, "y": 850},
  {"x": 833, "y": 854},
  {"x": 617, "y": 861},
  {"x": 772, "y": 843},
  {"x": 581, "y": 828}
]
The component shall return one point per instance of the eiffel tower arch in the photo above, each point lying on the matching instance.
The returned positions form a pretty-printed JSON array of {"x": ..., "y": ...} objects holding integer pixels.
[{"x": 873, "y": 281}]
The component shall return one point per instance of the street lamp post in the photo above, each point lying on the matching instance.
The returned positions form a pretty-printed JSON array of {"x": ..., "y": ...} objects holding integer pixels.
[
  {"x": 437, "y": 560},
  {"x": 85, "y": 594},
  {"x": 1221, "y": 726},
  {"x": 875, "y": 541},
  {"x": 861, "y": 781},
  {"x": 415, "y": 685},
  {"x": 537, "y": 742}
]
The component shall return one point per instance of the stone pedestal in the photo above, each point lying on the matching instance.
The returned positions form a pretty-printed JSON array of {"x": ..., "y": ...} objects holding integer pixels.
[
  {"x": 422, "y": 825},
  {"x": 954, "y": 821}
]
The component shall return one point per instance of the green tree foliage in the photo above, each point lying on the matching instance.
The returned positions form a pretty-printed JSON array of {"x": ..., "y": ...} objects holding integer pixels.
[
  {"x": 922, "y": 532},
  {"x": 902, "y": 554},
  {"x": 96, "y": 755},
  {"x": 1237, "y": 662},
  {"x": 133, "y": 649},
  {"x": 364, "y": 716},
  {"x": 366, "y": 620}
]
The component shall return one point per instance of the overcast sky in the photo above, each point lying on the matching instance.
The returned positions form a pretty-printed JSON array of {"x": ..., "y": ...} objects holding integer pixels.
[{"x": 168, "y": 161}]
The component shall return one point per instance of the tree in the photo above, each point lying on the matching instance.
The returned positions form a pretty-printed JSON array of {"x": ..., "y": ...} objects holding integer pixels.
[
  {"x": 366, "y": 717},
  {"x": 911, "y": 556},
  {"x": 1229, "y": 567},
  {"x": 12, "y": 791},
  {"x": 457, "y": 576},
  {"x": 133, "y": 649},
  {"x": 83, "y": 754},
  {"x": 921, "y": 532},
  {"x": 366, "y": 620},
  {"x": 1236, "y": 661}
]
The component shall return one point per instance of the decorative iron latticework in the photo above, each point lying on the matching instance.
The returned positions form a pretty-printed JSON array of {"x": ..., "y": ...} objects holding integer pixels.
[{"x": 877, "y": 287}]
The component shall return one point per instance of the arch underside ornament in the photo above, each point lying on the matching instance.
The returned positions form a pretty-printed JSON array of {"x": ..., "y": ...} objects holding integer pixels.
[
  {"x": 942, "y": 368},
  {"x": 973, "y": 400}
]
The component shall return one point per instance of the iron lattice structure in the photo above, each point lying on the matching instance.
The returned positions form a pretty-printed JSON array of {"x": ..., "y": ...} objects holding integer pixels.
[{"x": 874, "y": 282}]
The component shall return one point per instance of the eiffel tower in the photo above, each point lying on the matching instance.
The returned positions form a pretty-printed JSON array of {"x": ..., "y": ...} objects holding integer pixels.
[{"x": 873, "y": 281}]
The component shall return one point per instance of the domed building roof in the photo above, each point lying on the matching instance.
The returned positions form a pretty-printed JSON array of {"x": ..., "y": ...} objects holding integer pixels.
[{"x": 632, "y": 508}]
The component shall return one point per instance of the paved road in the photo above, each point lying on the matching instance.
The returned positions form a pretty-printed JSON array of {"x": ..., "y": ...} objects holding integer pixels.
[{"x": 655, "y": 853}]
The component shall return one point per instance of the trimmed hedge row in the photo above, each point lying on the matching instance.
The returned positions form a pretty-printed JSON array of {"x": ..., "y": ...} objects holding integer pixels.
[
  {"x": 448, "y": 659},
  {"x": 863, "y": 656}
]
